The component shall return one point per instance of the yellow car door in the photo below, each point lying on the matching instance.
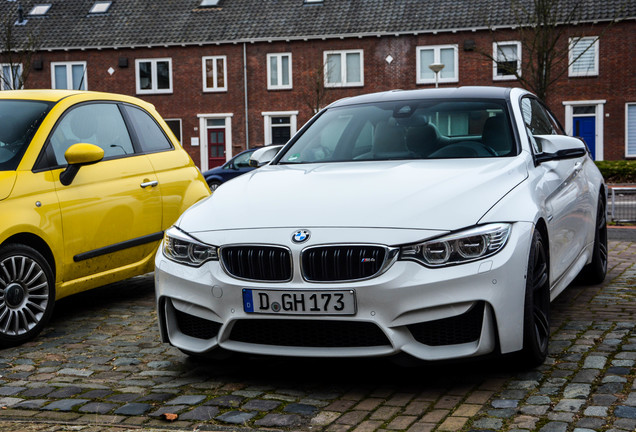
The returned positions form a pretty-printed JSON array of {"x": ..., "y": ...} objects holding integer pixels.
[{"x": 111, "y": 210}]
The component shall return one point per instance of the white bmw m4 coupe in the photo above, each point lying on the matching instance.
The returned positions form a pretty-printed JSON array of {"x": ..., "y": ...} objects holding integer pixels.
[{"x": 434, "y": 223}]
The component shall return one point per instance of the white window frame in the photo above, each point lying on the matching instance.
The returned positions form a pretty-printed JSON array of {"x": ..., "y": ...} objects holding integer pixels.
[
  {"x": 437, "y": 58},
  {"x": 495, "y": 46},
  {"x": 267, "y": 117},
  {"x": 69, "y": 73},
  {"x": 627, "y": 153},
  {"x": 153, "y": 72},
  {"x": 595, "y": 46},
  {"x": 203, "y": 136},
  {"x": 279, "y": 74},
  {"x": 180, "y": 137},
  {"x": 599, "y": 116},
  {"x": 216, "y": 87},
  {"x": 12, "y": 77},
  {"x": 343, "y": 68}
]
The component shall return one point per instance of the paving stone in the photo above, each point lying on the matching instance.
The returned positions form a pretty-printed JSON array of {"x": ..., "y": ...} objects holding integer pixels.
[
  {"x": 186, "y": 400},
  {"x": 65, "y": 392},
  {"x": 504, "y": 403},
  {"x": 237, "y": 417},
  {"x": 554, "y": 427},
  {"x": 10, "y": 391},
  {"x": 534, "y": 409},
  {"x": 302, "y": 409},
  {"x": 227, "y": 401},
  {"x": 97, "y": 394},
  {"x": 261, "y": 405},
  {"x": 279, "y": 420},
  {"x": 65, "y": 404},
  {"x": 32, "y": 403},
  {"x": 155, "y": 397},
  {"x": 569, "y": 405},
  {"x": 97, "y": 407},
  {"x": 591, "y": 423},
  {"x": 37, "y": 391},
  {"x": 488, "y": 424},
  {"x": 625, "y": 411},
  {"x": 200, "y": 413},
  {"x": 577, "y": 391},
  {"x": 167, "y": 409},
  {"x": 124, "y": 397},
  {"x": 586, "y": 376},
  {"x": 610, "y": 388},
  {"x": 135, "y": 409}
]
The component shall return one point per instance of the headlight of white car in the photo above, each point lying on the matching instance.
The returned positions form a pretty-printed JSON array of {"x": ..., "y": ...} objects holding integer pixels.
[
  {"x": 182, "y": 248},
  {"x": 458, "y": 248}
]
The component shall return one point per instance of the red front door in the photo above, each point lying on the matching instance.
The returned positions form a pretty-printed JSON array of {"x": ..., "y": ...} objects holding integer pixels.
[{"x": 216, "y": 147}]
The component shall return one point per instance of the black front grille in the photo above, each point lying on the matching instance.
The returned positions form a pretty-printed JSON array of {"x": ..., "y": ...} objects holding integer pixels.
[
  {"x": 451, "y": 331},
  {"x": 259, "y": 263},
  {"x": 313, "y": 334},
  {"x": 342, "y": 263},
  {"x": 196, "y": 327}
]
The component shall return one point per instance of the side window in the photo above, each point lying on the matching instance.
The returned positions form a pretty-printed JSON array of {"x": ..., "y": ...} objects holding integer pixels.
[
  {"x": 100, "y": 124},
  {"x": 536, "y": 118},
  {"x": 243, "y": 161},
  {"x": 149, "y": 133}
]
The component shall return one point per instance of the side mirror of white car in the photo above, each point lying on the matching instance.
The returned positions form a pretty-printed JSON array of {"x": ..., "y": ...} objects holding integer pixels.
[
  {"x": 264, "y": 155},
  {"x": 559, "y": 147}
]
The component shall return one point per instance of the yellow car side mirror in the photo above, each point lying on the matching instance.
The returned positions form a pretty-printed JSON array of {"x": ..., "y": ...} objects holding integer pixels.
[{"x": 78, "y": 155}]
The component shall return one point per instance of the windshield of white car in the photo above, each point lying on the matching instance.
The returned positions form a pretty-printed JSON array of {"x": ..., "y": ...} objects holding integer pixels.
[
  {"x": 427, "y": 129},
  {"x": 19, "y": 120}
]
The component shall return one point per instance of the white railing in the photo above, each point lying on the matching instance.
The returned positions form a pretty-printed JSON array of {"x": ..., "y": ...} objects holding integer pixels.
[{"x": 622, "y": 204}]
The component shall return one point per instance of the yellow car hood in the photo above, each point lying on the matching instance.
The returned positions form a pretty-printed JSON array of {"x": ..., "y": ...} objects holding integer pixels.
[{"x": 7, "y": 180}]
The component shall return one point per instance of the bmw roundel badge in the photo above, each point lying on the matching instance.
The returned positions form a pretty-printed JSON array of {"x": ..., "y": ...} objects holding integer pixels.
[{"x": 301, "y": 236}]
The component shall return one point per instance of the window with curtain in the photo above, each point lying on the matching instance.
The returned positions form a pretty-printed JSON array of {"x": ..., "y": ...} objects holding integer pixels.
[
  {"x": 344, "y": 68},
  {"x": 445, "y": 54},
  {"x": 279, "y": 71},
  {"x": 68, "y": 75},
  {"x": 214, "y": 74},
  {"x": 583, "y": 56},
  {"x": 507, "y": 60}
]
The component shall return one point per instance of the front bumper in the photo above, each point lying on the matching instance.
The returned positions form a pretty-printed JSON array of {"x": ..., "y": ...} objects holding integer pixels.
[{"x": 431, "y": 314}]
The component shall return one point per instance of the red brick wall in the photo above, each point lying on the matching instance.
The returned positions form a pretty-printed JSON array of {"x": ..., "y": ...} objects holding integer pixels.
[{"x": 616, "y": 82}]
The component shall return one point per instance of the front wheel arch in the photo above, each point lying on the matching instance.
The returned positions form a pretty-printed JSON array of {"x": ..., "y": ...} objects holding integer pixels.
[{"x": 36, "y": 243}]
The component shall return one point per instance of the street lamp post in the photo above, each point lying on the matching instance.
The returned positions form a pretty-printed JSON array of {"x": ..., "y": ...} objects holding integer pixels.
[{"x": 436, "y": 68}]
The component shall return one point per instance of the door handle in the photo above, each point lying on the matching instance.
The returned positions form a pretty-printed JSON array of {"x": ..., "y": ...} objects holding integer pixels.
[{"x": 152, "y": 183}]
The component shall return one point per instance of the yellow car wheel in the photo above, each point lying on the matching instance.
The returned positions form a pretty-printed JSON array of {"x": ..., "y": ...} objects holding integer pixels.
[{"x": 27, "y": 293}]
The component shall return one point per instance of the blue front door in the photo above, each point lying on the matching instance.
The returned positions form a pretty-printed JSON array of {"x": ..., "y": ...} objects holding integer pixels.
[{"x": 585, "y": 127}]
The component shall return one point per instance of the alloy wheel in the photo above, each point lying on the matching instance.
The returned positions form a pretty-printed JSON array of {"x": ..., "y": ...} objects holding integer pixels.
[{"x": 24, "y": 295}]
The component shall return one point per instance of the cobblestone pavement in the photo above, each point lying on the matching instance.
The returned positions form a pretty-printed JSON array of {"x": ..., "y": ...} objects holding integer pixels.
[{"x": 99, "y": 366}]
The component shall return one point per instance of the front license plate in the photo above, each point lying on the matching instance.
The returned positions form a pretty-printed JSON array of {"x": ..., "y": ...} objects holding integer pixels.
[{"x": 296, "y": 302}]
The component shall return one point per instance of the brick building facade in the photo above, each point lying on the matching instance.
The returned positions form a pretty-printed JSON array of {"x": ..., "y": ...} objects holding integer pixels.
[{"x": 222, "y": 89}]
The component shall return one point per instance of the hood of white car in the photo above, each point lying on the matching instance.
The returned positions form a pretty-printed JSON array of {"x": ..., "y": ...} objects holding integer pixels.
[{"x": 424, "y": 194}]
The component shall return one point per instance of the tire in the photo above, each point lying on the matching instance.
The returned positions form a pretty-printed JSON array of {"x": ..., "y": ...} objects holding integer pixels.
[
  {"x": 594, "y": 273},
  {"x": 214, "y": 185},
  {"x": 536, "y": 321},
  {"x": 27, "y": 294}
]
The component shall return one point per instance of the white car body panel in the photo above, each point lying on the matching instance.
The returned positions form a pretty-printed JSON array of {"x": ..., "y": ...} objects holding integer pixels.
[{"x": 450, "y": 195}]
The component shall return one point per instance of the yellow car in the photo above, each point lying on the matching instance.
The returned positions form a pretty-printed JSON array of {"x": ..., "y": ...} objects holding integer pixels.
[{"x": 88, "y": 183}]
